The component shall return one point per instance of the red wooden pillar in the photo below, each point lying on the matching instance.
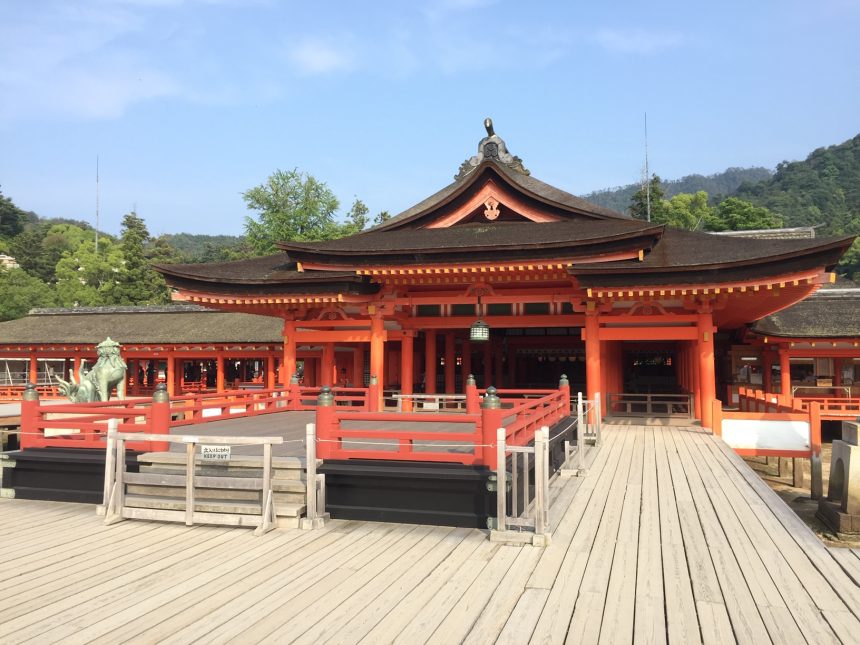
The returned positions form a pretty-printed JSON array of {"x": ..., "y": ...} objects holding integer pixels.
[
  {"x": 499, "y": 375},
  {"x": 707, "y": 379},
  {"x": 466, "y": 368},
  {"x": 592, "y": 354},
  {"x": 171, "y": 374},
  {"x": 328, "y": 367},
  {"x": 377, "y": 354},
  {"x": 219, "y": 374},
  {"x": 837, "y": 372},
  {"x": 407, "y": 352},
  {"x": 767, "y": 369},
  {"x": 33, "y": 372},
  {"x": 430, "y": 361},
  {"x": 450, "y": 363},
  {"x": 270, "y": 372},
  {"x": 358, "y": 365},
  {"x": 289, "y": 367},
  {"x": 784, "y": 373}
]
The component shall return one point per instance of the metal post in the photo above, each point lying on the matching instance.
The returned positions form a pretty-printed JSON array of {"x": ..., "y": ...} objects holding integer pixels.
[{"x": 501, "y": 481}]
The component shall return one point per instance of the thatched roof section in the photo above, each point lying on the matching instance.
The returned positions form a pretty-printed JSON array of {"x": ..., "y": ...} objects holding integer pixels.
[
  {"x": 829, "y": 313},
  {"x": 139, "y": 325}
]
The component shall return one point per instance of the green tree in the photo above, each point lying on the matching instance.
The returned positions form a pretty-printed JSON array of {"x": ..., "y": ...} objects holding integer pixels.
[
  {"x": 735, "y": 214},
  {"x": 12, "y": 218},
  {"x": 89, "y": 278},
  {"x": 292, "y": 205},
  {"x": 20, "y": 292},
  {"x": 381, "y": 218},
  {"x": 356, "y": 219},
  {"x": 683, "y": 211},
  {"x": 137, "y": 283},
  {"x": 640, "y": 199}
]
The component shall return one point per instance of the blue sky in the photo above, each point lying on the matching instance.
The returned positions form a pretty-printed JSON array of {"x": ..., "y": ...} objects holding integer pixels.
[{"x": 188, "y": 103}]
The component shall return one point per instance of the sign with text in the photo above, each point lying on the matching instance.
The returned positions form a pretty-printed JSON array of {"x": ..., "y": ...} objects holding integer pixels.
[{"x": 215, "y": 453}]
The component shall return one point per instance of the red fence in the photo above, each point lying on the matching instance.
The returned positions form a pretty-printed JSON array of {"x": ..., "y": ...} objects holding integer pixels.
[
  {"x": 84, "y": 425},
  {"x": 468, "y": 438}
]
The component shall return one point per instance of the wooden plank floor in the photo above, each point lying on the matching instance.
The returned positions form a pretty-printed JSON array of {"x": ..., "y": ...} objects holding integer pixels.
[{"x": 669, "y": 538}]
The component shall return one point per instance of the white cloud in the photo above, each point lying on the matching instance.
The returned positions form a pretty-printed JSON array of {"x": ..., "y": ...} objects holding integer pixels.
[
  {"x": 636, "y": 41},
  {"x": 313, "y": 56}
]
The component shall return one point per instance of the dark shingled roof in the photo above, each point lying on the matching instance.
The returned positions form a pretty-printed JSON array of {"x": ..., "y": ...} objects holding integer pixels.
[
  {"x": 510, "y": 239},
  {"x": 690, "y": 256},
  {"x": 526, "y": 183},
  {"x": 140, "y": 325},
  {"x": 829, "y": 313}
]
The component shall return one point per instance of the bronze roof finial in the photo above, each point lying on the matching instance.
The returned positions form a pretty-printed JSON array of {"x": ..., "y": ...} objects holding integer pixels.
[{"x": 488, "y": 124}]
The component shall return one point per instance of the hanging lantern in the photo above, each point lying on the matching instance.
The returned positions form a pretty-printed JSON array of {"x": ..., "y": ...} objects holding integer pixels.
[{"x": 479, "y": 332}]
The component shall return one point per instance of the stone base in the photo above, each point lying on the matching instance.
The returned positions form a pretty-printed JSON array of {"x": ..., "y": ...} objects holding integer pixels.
[{"x": 841, "y": 523}]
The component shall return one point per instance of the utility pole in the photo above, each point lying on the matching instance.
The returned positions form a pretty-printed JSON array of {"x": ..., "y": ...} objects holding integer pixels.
[
  {"x": 647, "y": 175},
  {"x": 97, "y": 204}
]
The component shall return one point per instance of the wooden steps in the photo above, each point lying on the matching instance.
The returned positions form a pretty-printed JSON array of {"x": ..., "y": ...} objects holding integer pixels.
[{"x": 288, "y": 484}]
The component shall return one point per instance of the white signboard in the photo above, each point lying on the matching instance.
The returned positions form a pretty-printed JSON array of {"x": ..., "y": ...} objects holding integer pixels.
[
  {"x": 766, "y": 435},
  {"x": 215, "y": 453}
]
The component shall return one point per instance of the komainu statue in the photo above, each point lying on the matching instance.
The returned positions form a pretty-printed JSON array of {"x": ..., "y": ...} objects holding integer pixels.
[{"x": 97, "y": 383}]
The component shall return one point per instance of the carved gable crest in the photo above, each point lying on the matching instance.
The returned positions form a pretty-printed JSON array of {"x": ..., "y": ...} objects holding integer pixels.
[{"x": 492, "y": 208}]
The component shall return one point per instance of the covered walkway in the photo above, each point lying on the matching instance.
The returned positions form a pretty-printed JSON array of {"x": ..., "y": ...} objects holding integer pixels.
[{"x": 670, "y": 537}]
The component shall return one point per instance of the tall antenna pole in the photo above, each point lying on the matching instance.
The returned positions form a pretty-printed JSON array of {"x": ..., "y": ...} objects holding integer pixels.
[
  {"x": 97, "y": 204},
  {"x": 647, "y": 175}
]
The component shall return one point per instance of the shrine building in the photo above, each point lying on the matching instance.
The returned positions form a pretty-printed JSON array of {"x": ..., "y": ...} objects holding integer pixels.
[{"x": 505, "y": 277}]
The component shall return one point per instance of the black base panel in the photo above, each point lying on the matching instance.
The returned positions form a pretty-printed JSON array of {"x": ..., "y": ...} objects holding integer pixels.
[
  {"x": 60, "y": 474},
  {"x": 405, "y": 492}
]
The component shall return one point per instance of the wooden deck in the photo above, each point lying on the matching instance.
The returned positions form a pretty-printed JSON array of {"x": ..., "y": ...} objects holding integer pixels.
[{"x": 669, "y": 538}]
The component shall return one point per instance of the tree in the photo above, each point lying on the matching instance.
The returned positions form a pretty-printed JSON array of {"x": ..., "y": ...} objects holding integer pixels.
[
  {"x": 381, "y": 218},
  {"x": 88, "y": 278},
  {"x": 356, "y": 219},
  {"x": 735, "y": 214},
  {"x": 12, "y": 218},
  {"x": 137, "y": 283},
  {"x": 683, "y": 211},
  {"x": 292, "y": 205},
  {"x": 20, "y": 292},
  {"x": 639, "y": 201}
]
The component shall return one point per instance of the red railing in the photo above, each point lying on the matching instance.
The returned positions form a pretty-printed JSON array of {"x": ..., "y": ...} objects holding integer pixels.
[
  {"x": 84, "y": 425},
  {"x": 831, "y": 406},
  {"x": 388, "y": 438},
  {"x": 756, "y": 405}
]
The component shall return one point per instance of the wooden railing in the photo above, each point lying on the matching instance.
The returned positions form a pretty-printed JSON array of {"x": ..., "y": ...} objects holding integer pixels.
[
  {"x": 650, "y": 405},
  {"x": 774, "y": 425},
  {"x": 84, "y": 425},
  {"x": 472, "y": 440},
  {"x": 835, "y": 408}
]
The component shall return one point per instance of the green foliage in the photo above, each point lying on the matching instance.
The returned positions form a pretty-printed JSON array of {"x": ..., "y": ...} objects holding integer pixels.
[
  {"x": 723, "y": 183},
  {"x": 12, "y": 218},
  {"x": 292, "y": 205},
  {"x": 20, "y": 292},
  {"x": 684, "y": 211},
  {"x": 295, "y": 206},
  {"x": 191, "y": 248},
  {"x": 642, "y": 198},
  {"x": 137, "y": 283},
  {"x": 381, "y": 218},
  {"x": 735, "y": 214},
  {"x": 87, "y": 278}
]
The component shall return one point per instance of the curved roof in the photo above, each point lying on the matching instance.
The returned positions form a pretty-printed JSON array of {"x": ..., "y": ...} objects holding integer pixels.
[{"x": 829, "y": 313}]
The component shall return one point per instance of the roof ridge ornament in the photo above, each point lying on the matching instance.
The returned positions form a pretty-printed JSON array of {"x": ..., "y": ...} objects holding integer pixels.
[{"x": 492, "y": 147}]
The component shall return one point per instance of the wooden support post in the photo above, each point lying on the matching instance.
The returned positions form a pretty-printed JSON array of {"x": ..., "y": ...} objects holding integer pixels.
[
  {"x": 717, "y": 417},
  {"x": 374, "y": 392},
  {"x": 160, "y": 416},
  {"x": 767, "y": 370},
  {"x": 327, "y": 376},
  {"x": 377, "y": 355},
  {"x": 450, "y": 363},
  {"x": 488, "y": 363},
  {"x": 797, "y": 472},
  {"x": 325, "y": 423},
  {"x": 358, "y": 365},
  {"x": 501, "y": 482},
  {"x": 564, "y": 386},
  {"x": 473, "y": 400},
  {"x": 33, "y": 372},
  {"x": 30, "y": 417},
  {"x": 784, "y": 373},
  {"x": 270, "y": 372},
  {"x": 491, "y": 421},
  {"x": 430, "y": 361},
  {"x": 592, "y": 358},
  {"x": 816, "y": 484},
  {"x": 289, "y": 334},
  {"x": 190, "y": 449},
  {"x": 541, "y": 480},
  {"x": 171, "y": 374},
  {"x": 219, "y": 372},
  {"x": 499, "y": 355},
  {"x": 407, "y": 357},
  {"x": 110, "y": 465},
  {"x": 707, "y": 379}
]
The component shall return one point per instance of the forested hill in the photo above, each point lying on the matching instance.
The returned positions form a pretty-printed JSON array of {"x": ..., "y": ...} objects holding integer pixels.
[
  {"x": 823, "y": 190},
  {"x": 720, "y": 184}
]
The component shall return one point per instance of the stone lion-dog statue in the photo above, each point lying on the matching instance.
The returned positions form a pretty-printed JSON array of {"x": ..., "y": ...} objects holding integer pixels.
[{"x": 97, "y": 383}]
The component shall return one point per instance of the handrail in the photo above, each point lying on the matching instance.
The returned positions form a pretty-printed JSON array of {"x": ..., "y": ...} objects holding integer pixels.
[{"x": 650, "y": 404}]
